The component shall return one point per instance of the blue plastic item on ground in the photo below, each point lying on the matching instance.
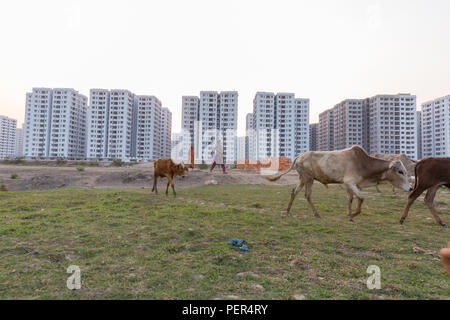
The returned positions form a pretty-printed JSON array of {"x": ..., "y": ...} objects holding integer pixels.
[{"x": 237, "y": 242}]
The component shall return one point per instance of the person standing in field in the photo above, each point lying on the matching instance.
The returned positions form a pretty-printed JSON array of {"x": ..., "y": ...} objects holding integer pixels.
[{"x": 218, "y": 158}]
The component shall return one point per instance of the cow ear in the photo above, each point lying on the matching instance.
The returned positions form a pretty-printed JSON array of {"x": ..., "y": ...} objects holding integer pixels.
[{"x": 395, "y": 164}]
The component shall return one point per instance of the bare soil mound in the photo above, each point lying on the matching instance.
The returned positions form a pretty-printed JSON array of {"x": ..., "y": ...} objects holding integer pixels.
[{"x": 43, "y": 178}]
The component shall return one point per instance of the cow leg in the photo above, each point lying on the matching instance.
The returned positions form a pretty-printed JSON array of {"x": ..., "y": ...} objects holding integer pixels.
[
  {"x": 378, "y": 189},
  {"x": 308, "y": 191},
  {"x": 350, "y": 201},
  {"x": 173, "y": 188},
  {"x": 411, "y": 198},
  {"x": 358, "y": 209},
  {"x": 353, "y": 189},
  {"x": 155, "y": 184},
  {"x": 167, "y": 188},
  {"x": 393, "y": 190},
  {"x": 429, "y": 199},
  {"x": 294, "y": 193}
]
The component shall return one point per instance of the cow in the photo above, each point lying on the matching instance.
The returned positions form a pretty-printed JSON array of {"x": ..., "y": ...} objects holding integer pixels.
[
  {"x": 169, "y": 169},
  {"x": 430, "y": 173},
  {"x": 351, "y": 167},
  {"x": 407, "y": 162}
]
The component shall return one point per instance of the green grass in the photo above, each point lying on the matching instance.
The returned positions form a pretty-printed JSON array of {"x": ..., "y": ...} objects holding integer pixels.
[{"x": 132, "y": 244}]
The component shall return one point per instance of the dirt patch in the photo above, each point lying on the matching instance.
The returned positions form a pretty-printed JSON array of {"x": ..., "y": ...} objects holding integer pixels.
[
  {"x": 113, "y": 178},
  {"x": 43, "y": 182},
  {"x": 43, "y": 178}
]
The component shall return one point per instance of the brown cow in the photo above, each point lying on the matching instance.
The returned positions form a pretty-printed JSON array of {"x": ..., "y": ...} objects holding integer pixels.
[
  {"x": 431, "y": 173},
  {"x": 407, "y": 162},
  {"x": 351, "y": 167},
  {"x": 169, "y": 169}
]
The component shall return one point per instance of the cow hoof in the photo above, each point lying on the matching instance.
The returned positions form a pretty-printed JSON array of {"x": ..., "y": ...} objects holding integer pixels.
[
  {"x": 402, "y": 220},
  {"x": 317, "y": 216},
  {"x": 442, "y": 224}
]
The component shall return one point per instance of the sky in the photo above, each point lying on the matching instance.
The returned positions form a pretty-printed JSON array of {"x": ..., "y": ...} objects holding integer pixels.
[{"x": 324, "y": 50}]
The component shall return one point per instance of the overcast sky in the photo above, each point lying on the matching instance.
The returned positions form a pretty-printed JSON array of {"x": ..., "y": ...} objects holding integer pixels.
[{"x": 326, "y": 51}]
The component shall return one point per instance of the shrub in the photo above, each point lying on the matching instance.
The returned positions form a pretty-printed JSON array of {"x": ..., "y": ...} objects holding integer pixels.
[
  {"x": 18, "y": 160},
  {"x": 60, "y": 161},
  {"x": 14, "y": 176},
  {"x": 203, "y": 165},
  {"x": 3, "y": 187},
  {"x": 118, "y": 163}
]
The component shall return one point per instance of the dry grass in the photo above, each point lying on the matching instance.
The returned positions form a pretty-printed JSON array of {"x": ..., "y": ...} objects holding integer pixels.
[{"x": 133, "y": 244}]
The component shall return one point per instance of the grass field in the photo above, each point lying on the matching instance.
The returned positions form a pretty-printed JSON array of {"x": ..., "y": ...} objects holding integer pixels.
[{"x": 132, "y": 244}]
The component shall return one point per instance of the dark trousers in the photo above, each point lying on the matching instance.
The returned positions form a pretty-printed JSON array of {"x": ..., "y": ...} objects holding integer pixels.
[{"x": 214, "y": 164}]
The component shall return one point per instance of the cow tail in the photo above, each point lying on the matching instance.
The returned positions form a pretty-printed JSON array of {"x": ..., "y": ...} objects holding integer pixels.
[{"x": 278, "y": 176}]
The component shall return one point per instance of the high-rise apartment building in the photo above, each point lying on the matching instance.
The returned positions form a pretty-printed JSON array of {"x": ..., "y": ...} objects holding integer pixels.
[
  {"x": 349, "y": 119},
  {"x": 122, "y": 125},
  {"x": 68, "y": 124},
  {"x": 301, "y": 126},
  {"x": 19, "y": 142},
  {"x": 326, "y": 131},
  {"x": 280, "y": 125},
  {"x": 240, "y": 148},
  {"x": 7, "y": 137},
  {"x": 166, "y": 130},
  {"x": 209, "y": 126},
  {"x": 435, "y": 123},
  {"x": 189, "y": 114},
  {"x": 55, "y": 124},
  {"x": 178, "y": 151},
  {"x": 228, "y": 114},
  {"x": 285, "y": 116},
  {"x": 380, "y": 124},
  {"x": 313, "y": 136},
  {"x": 208, "y": 118},
  {"x": 149, "y": 131},
  {"x": 419, "y": 134},
  {"x": 392, "y": 124},
  {"x": 264, "y": 124},
  {"x": 97, "y": 124},
  {"x": 38, "y": 111},
  {"x": 249, "y": 141}
]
